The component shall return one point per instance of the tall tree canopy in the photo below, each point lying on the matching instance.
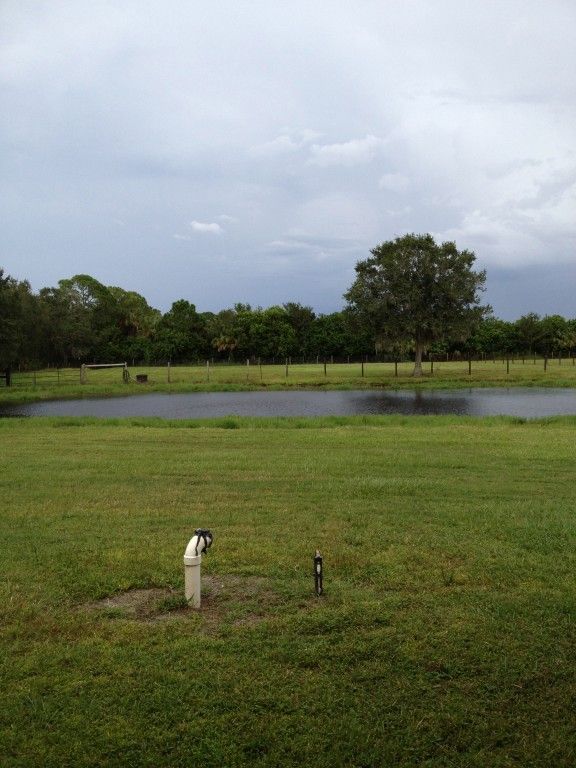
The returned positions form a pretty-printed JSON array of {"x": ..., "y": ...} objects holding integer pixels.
[
  {"x": 413, "y": 290},
  {"x": 180, "y": 333},
  {"x": 9, "y": 320}
]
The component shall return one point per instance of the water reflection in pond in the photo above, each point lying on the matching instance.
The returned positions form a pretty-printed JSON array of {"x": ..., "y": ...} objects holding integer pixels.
[{"x": 524, "y": 402}]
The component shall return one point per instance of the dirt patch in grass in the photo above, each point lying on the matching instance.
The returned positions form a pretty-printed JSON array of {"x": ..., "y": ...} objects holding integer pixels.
[
  {"x": 152, "y": 604},
  {"x": 226, "y": 599}
]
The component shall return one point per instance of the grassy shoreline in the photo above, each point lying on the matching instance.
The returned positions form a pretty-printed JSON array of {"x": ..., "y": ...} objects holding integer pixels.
[{"x": 286, "y": 422}]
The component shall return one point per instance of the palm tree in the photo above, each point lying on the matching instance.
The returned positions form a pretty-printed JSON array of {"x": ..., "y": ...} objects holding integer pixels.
[{"x": 225, "y": 344}]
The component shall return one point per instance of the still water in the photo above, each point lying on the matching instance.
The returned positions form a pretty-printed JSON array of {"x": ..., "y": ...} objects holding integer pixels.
[{"x": 524, "y": 402}]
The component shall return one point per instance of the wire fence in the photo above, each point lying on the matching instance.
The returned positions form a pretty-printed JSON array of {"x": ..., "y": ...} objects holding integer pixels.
[
  {"x": 291, "y": 371},
  {"x": 47, "y": 377}
]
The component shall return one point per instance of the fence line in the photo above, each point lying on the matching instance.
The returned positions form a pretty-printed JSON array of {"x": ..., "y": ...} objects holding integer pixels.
[{"x": 254, "y": 370}]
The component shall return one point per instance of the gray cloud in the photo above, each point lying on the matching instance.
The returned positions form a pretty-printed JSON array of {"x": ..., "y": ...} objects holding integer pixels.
[{"x": 256, "y": 151}]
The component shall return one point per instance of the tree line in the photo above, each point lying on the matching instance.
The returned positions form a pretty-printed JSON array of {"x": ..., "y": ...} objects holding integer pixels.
[{"x": 83, "y": 321}]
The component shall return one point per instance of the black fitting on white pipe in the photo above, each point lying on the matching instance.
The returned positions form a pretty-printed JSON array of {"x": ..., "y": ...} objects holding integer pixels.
[{"x": 204, "y": 540}]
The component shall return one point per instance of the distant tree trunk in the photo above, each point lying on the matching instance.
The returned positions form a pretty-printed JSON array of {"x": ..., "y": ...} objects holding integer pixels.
[{"x": 418, "y": 351}]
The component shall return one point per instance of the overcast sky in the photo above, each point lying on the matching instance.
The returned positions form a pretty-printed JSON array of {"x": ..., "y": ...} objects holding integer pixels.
[{"x": 254, "y": 151}]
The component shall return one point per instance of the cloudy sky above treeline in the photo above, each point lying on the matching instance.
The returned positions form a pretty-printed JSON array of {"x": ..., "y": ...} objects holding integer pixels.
[{"x": 255, "y": 150}]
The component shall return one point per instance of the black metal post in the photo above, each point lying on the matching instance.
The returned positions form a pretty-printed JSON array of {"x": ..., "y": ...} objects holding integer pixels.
[{"x": 318, "y": 573}]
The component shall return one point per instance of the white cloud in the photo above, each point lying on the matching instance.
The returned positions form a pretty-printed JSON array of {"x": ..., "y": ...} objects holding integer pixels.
[
  {"x": 496, "y": 241},
  {"x": 307, "y": 135},
  {"x": 394, "y": 182},
  {"x": 281, "y": 145},
  {"x": 206, "y": 227},
  {"x": 525, "y": 216},
  {"x": 394, "y": 212},
  {"x": 348, "y": 153},
  {"x": 290, "y": 246},
  {"x": 285, "y": 144}
]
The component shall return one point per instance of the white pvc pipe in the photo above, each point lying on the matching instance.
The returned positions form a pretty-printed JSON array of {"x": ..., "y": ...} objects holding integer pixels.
[
  {"x": 192, "y": 589},
  {"x": 192, "y": 561}
]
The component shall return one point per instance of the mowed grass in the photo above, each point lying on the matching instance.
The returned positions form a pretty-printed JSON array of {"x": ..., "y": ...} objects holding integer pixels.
[
  {"x": 49, "y": 384},
  {"x": 446, "y": 635}
]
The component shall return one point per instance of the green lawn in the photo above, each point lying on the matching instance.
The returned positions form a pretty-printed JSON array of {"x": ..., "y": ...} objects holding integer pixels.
[{"x": 446, "y": 635}]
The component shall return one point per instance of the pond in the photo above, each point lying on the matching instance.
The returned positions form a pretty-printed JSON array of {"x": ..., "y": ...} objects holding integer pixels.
[{"x": 524, "y": 402}]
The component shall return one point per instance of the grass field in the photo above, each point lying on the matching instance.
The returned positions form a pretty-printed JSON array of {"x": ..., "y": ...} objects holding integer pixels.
[
  {"x": 446, "y": 635},
  {"x": 65, "y": 383}
]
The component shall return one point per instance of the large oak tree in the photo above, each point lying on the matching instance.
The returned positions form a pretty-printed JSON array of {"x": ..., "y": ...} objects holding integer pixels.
[{"x": 413, "y": 290}]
